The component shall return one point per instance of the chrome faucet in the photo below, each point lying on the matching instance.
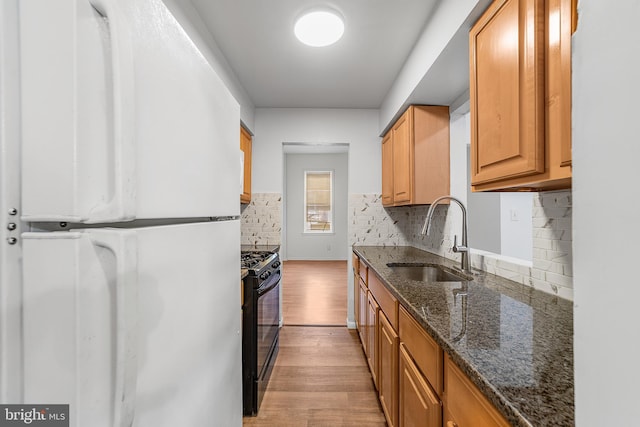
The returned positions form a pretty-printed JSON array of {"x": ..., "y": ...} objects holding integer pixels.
[{"x": 464, "y": 248}]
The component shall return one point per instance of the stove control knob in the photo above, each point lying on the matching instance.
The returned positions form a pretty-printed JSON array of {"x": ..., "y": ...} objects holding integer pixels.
[
  {"x": 275, "y": 264},
  {"x": 263, "y": 276}
]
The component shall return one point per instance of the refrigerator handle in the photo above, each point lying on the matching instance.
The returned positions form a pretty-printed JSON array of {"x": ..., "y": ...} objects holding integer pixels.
[
  {"x": 123, "y": 244},
  {"x": 122, "y": 206}
]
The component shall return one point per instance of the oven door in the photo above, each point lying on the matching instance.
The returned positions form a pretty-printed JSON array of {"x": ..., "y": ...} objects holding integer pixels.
[{"x": 268, "y": 323}]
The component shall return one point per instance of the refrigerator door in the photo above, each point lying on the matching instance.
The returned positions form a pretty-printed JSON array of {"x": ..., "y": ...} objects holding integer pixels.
[
  {"x": 123, "y": 117},
  {"x": 135, "y": 327},
  {"x": 79, "y": 324}
]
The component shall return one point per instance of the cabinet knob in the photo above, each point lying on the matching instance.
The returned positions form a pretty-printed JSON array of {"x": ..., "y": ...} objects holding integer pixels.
[{"x": 451, "y": 424}]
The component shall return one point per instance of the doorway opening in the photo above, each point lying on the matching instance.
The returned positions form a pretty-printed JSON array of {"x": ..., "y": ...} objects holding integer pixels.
[{"x": 314, "y": 235}]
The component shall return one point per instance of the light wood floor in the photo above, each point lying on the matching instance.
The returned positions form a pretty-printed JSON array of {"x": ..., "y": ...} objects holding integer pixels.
[
  {"x": 321, "y": 377},
  {"x": 314, "y": 293}
]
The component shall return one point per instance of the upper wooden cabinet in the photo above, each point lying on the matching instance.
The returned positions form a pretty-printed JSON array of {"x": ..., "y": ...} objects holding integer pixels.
[
  {"x": 245, "y": 146},
  {"x": 415, "y": 157},
  {"x": 387, "y": 170},
  {"x": 520, "y": 91}
]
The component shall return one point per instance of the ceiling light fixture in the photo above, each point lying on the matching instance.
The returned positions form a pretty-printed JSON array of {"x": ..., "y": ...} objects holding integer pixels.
[{"x": 319, "y": 28}]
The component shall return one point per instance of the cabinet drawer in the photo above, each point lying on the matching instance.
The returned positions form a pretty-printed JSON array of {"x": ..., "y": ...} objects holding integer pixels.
[
  {"x": 425, "y": 351},
  {"x": 356, "y": 264},
  {"x": 363, "y": 272},
  {"x": 388, "y": 304},
  {"x": 464, "y": 404}
]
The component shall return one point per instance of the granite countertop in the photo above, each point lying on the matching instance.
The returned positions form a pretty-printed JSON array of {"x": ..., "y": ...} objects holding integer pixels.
[{"x": 514, "y": 342}]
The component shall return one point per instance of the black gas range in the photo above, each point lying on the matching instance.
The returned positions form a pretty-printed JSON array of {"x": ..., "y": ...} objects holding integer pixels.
[
  {"x": 258, "y": 262},
  {"x": 260, "y": 324}
]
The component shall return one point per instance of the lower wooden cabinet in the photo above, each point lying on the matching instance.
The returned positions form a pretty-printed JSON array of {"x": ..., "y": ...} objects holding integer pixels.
[
  {"x": 418, "y": 385},
  {"x": 362, "y": 312},
  {"x": 464, "y": 404},
  {"x": 425, "y": 352},
  {"x": 356, "y": 305},
  {"x": 371, "y": 348},
  {"x": 419, "y": 404},
  {"x": 388, "y": 342}
]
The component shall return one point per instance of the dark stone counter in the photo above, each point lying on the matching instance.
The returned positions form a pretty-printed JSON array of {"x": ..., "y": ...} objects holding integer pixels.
[{"x": 514, "y": 342}]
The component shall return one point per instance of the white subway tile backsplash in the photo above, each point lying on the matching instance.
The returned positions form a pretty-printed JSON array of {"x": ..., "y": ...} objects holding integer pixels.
[
  {"x": 541, "y": 243},
  {"x": 559, "y": 279},
  {"x": 551, "y": 269},
  {"x": 369, "y": 223}
]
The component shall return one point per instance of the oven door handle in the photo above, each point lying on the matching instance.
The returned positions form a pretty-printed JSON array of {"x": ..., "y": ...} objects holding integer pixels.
[{"x": 272, "y": 283}]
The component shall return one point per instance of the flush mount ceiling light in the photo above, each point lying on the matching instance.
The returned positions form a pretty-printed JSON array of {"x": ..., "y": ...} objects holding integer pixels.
[{"x": 319, "y": 28}]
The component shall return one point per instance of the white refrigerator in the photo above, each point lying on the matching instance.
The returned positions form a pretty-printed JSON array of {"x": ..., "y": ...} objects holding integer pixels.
[{"x": 120, "y": 291}]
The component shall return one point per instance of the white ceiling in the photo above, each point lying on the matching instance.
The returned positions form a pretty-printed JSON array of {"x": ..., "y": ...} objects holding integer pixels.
[{"x": 276, "y": 70}]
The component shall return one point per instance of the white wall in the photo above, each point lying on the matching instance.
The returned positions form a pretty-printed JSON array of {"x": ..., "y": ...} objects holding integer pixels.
[
  {"x": 448, "y": 18},
  {"x": 516, "y": 225},
  {"x": 358, "y": 128},
  {"x": 606, "y": 226},
  {"x": 484, "y": 217},
  {"x": 315, "y": 246}
]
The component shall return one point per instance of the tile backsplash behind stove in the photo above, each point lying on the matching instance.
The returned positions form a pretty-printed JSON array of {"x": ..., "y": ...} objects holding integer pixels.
[{"x": 260, "y": 221}]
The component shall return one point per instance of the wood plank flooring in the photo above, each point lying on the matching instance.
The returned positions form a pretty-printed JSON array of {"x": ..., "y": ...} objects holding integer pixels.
[
  {"x": 314, "y": 293},
  {"x": 321, "y": 377}
]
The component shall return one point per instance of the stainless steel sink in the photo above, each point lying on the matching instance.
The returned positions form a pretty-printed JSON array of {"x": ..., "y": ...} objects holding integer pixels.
[{"x": 425, "y": 273}]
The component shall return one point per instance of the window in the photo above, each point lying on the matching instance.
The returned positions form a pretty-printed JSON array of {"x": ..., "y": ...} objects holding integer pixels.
[{"x": 318, "y": 202}]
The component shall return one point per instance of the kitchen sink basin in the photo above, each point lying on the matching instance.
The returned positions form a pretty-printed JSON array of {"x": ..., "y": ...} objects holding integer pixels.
[{"x": 425, "y": 273}]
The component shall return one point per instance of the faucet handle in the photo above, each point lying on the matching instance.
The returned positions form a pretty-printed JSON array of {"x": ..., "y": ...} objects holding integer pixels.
[{"x": 457, "y": 248}]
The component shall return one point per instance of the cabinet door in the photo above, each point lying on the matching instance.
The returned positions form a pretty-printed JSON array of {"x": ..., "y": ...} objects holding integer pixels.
[
  {"x": 362, "y": 313},
  {"x": 388, "y": 370},
  {"x": 558, "y": 84},
  {"x": 387, "y": 170},
  {"x": 372, "y": 337},
  {"x": 507, "y": 91},
  {"x": 356, "y": 301},
  {"x": 402, "y": 158},
  {"x": 245, "y": 146},
  {"x": 419, "y": 405},
  {"x": 464, "y": 403}
]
